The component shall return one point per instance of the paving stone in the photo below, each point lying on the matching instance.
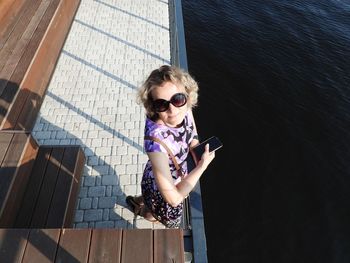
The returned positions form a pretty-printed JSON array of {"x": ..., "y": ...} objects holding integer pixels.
[
  {"x": 79, "y": 216},
  {"x": 96, "y": 191},
  {"x": 89, "y": 181},
  {"x": 109, "y": 190},
  {"x": 131, "y": 169},
  {"x": 130, "y": 189},
  {"x": 93, "y": 215},
  {"x": 107, "y": 202},
  {"x": 83, "y": 192},
  {"x": 105, "y": 214},
  {"x": 124, "y": 179},
  {"x": 95, "y": 202},
  {"x": 110, "y": 180},
  {"x": 85, "y": 203}
]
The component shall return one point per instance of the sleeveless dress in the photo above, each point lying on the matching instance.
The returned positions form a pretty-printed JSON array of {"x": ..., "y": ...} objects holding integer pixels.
[{"x": 178, "y": 140}]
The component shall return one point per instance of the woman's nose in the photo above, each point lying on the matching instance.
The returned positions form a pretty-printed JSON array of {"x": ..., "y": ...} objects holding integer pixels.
[{"x": 172, "y": 108}]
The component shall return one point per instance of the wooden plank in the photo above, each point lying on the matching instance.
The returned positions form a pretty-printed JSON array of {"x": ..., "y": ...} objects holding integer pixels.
[
  {"x": 12, "y": 244},
  {"x": 13, "y": 53},
  {"x": 42, "y": 246},
  {"x": 19, "y": 184},
  {"x": 62, "y": 195},
  {"x": 74, "y": 246},
  {"x": 32, "y": 192},
  {"x": 5, "y": 139},
  {"x": 34, "y": 42},
  {"x": 12, "y": 17},
  {"x": 8, "y": 170},
  {"x": 19, "y": 36},
  {"x": 78, "y": 171},
  {"x": 137, "y": 246},
  {"x": 40, "y": 72},
  {"x": 168, "y": 246},
  {"x": 105, "y": 246},
  {"x": 47, "y": 189},
  {"x": 10, "y": 13},
  {"x": 5, "y": 9}
]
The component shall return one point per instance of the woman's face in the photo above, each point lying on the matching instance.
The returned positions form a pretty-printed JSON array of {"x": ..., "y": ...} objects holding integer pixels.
[{"x": 174, "y": 115}]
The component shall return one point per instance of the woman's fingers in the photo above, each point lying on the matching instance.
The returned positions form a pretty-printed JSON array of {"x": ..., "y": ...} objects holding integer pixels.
[{"x": 207, "y": 156}]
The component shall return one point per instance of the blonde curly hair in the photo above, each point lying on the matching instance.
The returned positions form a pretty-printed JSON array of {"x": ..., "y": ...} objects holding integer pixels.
[{"x": 158, "y": 77}]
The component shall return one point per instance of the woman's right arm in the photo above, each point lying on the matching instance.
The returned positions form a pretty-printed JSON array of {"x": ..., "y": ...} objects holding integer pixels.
[{"x": 175, "y": 194}]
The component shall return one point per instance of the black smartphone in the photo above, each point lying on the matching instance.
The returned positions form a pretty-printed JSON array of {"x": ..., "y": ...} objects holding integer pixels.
[{"x": 214, "y": 144}]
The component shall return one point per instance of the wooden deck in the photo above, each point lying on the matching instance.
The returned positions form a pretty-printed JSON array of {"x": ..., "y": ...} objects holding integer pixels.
[{"x": 91, "y": 245}]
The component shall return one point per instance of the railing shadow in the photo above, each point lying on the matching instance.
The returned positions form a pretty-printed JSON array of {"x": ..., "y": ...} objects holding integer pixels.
[
  {"x": 98, "y": 69},
  {"x": 131, "y": 14}
]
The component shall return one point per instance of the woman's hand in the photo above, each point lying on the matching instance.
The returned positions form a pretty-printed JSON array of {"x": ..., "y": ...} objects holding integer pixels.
[{"x": 206, "y": 158}]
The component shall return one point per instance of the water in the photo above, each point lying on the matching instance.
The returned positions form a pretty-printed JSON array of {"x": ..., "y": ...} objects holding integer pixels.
[{"x": 275, "y": 88}]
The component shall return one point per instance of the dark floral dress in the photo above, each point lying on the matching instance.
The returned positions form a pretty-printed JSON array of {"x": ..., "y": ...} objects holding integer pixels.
[{"x": 178, "y": 140}]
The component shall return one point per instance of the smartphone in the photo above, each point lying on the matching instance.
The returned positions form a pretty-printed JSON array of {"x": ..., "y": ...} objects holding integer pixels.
[{"x": 214, "y": 144}]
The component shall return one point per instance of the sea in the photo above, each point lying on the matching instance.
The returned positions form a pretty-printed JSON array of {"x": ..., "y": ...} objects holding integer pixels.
[{"x": 274, "y": 79}]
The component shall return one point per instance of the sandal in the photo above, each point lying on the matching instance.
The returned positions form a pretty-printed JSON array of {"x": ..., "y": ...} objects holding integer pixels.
[{"x": 136, "y": 207}]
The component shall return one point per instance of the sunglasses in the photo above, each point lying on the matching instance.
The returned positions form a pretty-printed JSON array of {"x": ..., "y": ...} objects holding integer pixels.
[{"x": 178, "y": 100}]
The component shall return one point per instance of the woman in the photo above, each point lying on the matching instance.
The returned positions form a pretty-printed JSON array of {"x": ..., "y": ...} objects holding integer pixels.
[{"x": 168, "y": 95}]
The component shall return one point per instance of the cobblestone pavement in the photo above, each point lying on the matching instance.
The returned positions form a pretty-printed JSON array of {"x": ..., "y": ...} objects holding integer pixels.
[{"x": 112, "y": 46}]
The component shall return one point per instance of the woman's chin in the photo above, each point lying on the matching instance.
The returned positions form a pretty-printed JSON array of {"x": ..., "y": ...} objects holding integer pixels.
[{"x": 176, "y": 122}]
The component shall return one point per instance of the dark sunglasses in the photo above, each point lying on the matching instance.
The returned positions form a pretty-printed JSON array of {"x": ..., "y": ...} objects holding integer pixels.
[{"x": 178, "y": 100}]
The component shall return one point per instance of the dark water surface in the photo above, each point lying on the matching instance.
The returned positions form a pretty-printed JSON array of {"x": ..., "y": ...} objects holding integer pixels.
[{"x": 274, "y": 82}]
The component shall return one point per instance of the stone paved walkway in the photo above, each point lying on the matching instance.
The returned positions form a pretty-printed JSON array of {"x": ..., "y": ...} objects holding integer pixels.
[{"x": 111, "y": 48}]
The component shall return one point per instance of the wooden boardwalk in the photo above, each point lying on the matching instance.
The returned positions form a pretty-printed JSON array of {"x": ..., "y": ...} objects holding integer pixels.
[{"x": 91, "y": 245}]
